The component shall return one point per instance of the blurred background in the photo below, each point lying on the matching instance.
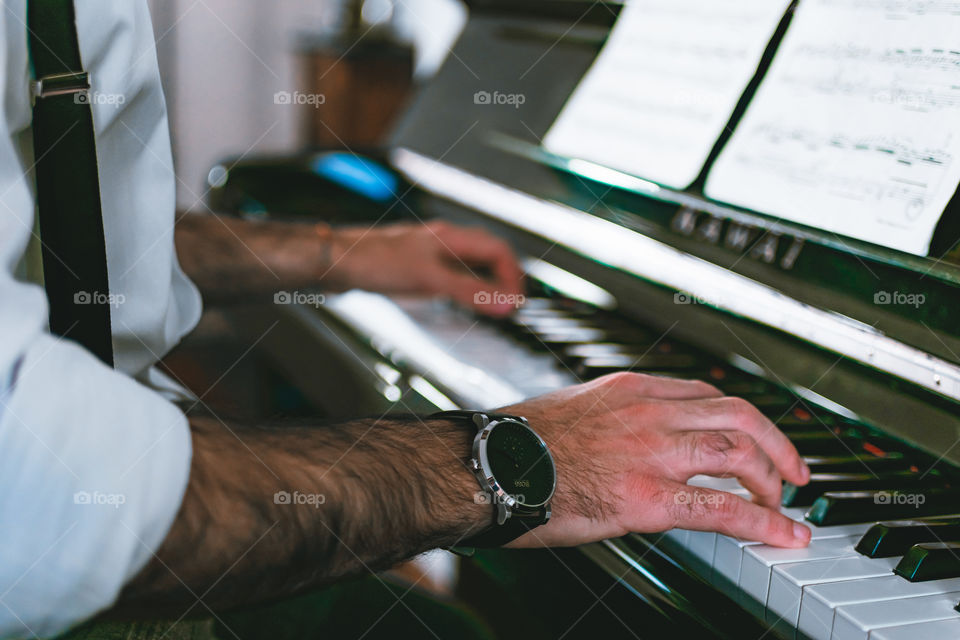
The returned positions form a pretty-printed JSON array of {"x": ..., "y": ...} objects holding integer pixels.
[{"x": 217, "y": 51}]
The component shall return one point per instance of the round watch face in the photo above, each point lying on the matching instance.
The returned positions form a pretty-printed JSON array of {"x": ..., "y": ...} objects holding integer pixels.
[{"x": 520, "y": 463}]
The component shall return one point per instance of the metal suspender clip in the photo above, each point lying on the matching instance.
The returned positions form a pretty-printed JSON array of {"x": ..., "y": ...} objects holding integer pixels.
[{"x": 75, "y": 82}]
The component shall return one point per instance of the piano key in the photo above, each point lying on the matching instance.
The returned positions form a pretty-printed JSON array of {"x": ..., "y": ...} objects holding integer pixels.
[
  {"x": 788, "y": 581},
  {"x": 592, "y": 350},
  {"x": 820, "y": 441},
  {"x": 936, "y": 630},
  {"x": 800, "y": 418},
  {"x": 887, "y": 539},
  {"x": 759, "y": 560},
  {"x": 820, "y": 601},
  {"x": 844, "y": 507},
  {"x": 774, "y": 404},
  {"x": 701, "y": 545},
  {"x": 820, "y": 483},
  {"x": 597, "y": 366},
  {"x": 728, "y": 552},
  {"x": 856, "y": 621},
  {"x": 930, "y": 561},
  {"x": 864, "y": 463},
  {"x": 747, "y": 388},
  {"x": 557, "y": 339}
]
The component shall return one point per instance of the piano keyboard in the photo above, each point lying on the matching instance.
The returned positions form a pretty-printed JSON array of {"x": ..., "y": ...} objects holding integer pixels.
[{"x": 857, "y": 579}]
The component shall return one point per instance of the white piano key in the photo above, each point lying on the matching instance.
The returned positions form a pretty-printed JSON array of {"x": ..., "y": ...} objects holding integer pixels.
[
  {"x": 726, "y": 560},
  {"x": 856, "y": 621},
  {"x": 794, "y": 513},
  {"x": 787, "y": 583},
  {"x": 759, "y": 560},
  {"x": 700, "y": 550},
  {"x": 821, "y": 600},
  {"x": 700, "y": 545},
  {"x": 676, "y": 537},
  {"x": 938, "y": 630},
  {"x": 729, "y": 551}
]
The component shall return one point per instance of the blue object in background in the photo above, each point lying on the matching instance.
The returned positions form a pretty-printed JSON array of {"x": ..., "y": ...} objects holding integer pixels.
[{"x": 361, "y": 175}]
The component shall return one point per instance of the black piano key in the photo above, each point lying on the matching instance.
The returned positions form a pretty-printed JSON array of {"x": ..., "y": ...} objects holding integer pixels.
[
  {"x": 864, "y": 463},
  {"x": 799, "y": 419},
  {"x": 772, "y": 404},
  {"x": 827, "y": 441},
  {"x": 888, "y": 539},
  {"x": 930, "y": 561},
  {"x": 597, "y": 366},
  {"x": 848, "y": 507},
  {"x": 820, "y": 483},
  {"x": 745, "y": 387}
]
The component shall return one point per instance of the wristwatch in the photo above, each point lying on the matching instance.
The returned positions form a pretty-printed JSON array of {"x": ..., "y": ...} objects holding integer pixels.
[{"x": 516, "y": 474}]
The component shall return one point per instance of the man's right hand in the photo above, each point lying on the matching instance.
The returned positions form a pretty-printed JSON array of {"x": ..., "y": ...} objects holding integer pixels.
[{"x": 626, "y": 444}]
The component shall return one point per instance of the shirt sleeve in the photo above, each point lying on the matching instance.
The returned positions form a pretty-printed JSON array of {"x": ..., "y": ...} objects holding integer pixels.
[{"x": 93, "y": 465}]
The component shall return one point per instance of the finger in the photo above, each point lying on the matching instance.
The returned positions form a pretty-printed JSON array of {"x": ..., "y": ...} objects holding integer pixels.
[
  {"x": 728, "y": 454},
  {"x": 731, "y": 413},
  {"x": 478, "y": 248},
  {"x": 630, "y": 386},
  {"x": 476, "y": 294},
  {"x": 708, "y": 510}
]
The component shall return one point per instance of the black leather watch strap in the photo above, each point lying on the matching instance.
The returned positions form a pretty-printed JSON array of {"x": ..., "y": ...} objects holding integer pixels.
[
  {"x": 515, "y": 526},
  {"x": 465, "y": 414}
]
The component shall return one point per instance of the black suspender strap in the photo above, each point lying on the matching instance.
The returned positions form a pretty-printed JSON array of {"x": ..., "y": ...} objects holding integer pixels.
[{"x": 68, "y": 185}]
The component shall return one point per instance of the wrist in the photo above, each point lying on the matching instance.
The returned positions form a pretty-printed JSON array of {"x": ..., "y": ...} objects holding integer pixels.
[
  {"x": 467, "y": 509},
  {"x": 333, "y": 256}
]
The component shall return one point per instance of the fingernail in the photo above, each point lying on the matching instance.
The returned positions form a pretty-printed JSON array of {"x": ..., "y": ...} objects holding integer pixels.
[
  {"x": 800, "y": 532},
  {"x": 804, "y": 471}
]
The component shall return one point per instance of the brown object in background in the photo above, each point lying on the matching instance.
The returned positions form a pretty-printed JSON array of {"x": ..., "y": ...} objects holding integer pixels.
[{"x": 365, "y": 84}]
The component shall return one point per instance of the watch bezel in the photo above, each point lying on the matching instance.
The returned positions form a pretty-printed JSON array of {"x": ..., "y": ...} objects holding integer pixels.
[{"x": 485, "y": 474}]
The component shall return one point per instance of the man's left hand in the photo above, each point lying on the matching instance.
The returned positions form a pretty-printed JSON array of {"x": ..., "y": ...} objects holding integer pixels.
[{"x": 469, "y": 265}]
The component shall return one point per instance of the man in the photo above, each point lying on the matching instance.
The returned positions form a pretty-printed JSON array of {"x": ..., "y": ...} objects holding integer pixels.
[{"x": 113, "y": 497}]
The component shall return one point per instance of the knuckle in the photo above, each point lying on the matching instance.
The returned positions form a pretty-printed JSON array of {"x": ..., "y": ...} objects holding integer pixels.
[
  {"x": 742, "y": 412},
  {"x": 620, "y": 378},
  {"x": 713, "y": 446},
  {"x": 730, "y": 510}
]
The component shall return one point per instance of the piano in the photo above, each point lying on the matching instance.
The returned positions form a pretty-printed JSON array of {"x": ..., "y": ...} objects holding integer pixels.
[{"x": 849, "y": 347}]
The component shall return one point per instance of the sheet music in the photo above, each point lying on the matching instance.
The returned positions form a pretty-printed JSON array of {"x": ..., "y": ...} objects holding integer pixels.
[
  {"x": 664, "y": 86},
  {"x": 856, "y": 128}
]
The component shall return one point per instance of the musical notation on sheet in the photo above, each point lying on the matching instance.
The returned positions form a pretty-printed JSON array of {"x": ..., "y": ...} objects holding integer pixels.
[
  {"x": 856, "y": 127},
  {"x": 665, "y": 85}
]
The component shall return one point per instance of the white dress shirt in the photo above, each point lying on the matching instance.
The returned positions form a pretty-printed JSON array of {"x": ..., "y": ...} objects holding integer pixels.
[{"x": 93, "y": 461}]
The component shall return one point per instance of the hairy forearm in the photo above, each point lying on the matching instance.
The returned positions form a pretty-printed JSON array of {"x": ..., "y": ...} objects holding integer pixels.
[
  {"x": 362, "y": 497},
  {"x": 229, "y": 257}
]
